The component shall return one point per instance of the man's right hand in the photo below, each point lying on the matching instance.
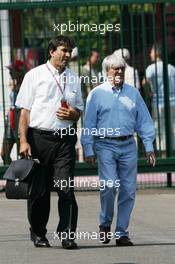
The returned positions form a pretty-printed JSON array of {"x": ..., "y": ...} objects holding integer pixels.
[
  {"x": 151, "y": 158},
  {"x": 25, "y": 149},
  {"x": 90, "y": 160}
]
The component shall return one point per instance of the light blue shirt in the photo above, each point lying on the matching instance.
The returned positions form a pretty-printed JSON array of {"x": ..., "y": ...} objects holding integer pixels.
[
  {"x": 112, "y": 113},
  {"x": 154, "y": 74}
]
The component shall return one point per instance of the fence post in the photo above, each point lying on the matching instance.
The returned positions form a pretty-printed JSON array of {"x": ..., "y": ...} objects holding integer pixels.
[{"x": 166, "y": 89}]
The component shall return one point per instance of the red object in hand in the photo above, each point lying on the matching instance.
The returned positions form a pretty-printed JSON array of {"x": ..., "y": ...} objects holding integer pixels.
[
  {"x": 64, "y": 103},
  {"x": 12, "y": 118}
]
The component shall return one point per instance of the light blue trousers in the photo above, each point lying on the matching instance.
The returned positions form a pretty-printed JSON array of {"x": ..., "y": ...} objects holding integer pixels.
[{"x": 117, "y": 163}]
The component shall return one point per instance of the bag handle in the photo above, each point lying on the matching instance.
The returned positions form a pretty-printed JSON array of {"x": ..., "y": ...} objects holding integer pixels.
[{"x": 28, "y": 157}]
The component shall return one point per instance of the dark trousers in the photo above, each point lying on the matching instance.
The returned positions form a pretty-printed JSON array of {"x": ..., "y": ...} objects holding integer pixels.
[{"x": 57, "y": 155}]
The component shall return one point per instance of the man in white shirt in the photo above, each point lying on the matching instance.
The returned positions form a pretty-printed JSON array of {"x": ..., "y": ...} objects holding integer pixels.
[
  {"x": 50, "y": 101},
  {"x": 89, "y": 73}
]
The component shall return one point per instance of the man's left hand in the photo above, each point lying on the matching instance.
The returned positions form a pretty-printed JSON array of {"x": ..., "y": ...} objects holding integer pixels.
[
  {"x": 151, "y": 158},
  {"x": 69, "y": 113}
]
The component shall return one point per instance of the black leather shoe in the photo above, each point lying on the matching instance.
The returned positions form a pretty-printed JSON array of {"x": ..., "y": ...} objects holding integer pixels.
[
  {"x": 39, "y": 241},
  {"x": 103, "y": 234},
  {"x": 124, "y": 241},
  {"x": 69, "y": 244}
]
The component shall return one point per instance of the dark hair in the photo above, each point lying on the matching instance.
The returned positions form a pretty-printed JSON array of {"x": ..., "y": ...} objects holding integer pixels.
[
  {"x": 60, "y": 41},
  {"x": 92, "y": 51},
  {"x": 158, "y": 48}
]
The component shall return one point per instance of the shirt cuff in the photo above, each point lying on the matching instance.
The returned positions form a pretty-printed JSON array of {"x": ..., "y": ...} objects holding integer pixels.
[
  {"x": 149, "y": 147},
  {"x": 20, "y": 106},
  {"x": 88, "y": 150}
]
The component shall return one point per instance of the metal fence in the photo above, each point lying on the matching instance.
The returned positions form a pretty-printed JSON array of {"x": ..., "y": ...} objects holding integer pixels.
[{"x": 26, "y": 27}]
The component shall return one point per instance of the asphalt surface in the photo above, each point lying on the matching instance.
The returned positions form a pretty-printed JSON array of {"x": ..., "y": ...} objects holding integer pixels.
[{"x": 152, "y": 229}]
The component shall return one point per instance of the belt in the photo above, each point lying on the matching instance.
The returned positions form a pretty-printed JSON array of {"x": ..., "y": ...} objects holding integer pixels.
[
  {"x": 122, "y": 138},
  {"x": 56, "y": 132}
]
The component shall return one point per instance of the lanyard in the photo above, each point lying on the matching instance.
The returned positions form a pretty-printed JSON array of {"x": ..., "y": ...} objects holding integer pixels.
[{"x": 59, "y": 86}]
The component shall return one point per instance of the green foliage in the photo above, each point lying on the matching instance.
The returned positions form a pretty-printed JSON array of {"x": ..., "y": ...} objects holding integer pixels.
[{"x": 39, "y": 24}]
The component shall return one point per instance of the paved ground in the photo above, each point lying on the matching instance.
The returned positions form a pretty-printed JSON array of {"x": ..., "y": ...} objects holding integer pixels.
[{"x": 152, "y": 229}]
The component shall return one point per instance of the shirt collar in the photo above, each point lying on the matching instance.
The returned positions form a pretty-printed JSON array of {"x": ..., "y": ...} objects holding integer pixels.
[
  {"x": 54, "y": 70},
  {"x": 113, "y": 88}
]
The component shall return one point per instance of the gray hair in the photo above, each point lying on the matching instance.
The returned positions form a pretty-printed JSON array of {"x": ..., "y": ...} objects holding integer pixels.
[
  {"x": 74, "y": 53},
  {"x": 112, "y": 61},
  {"x": 123, "y": 53}
]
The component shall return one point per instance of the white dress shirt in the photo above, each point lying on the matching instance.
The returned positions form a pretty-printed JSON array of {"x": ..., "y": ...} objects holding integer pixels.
[
  {"x": 40, "y": 94},
  {"x": 132, "y": 76}
]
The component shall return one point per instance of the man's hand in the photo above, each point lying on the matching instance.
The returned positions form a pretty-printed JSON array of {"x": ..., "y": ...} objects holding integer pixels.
[
  {"x": 90, "y": 160},
  {"x": 25, "y": 149},
  {"x": 69, "y": 113},
  {"x": 151, "y": 158}
]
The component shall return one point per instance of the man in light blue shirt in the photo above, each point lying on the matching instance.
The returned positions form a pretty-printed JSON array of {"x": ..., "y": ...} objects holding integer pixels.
[
  {"x": 114, "y": 111},
  {"x": 155, "y": 77}
]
